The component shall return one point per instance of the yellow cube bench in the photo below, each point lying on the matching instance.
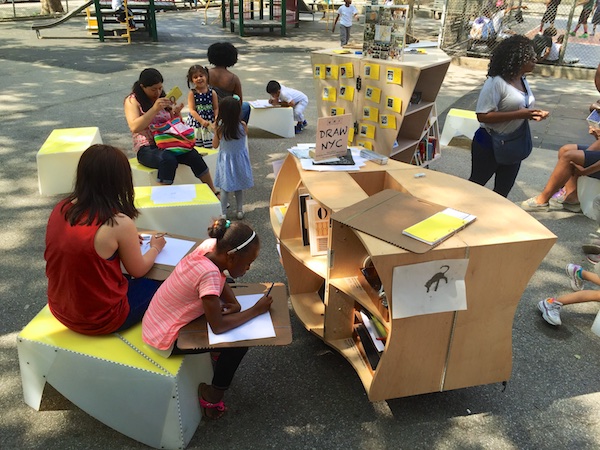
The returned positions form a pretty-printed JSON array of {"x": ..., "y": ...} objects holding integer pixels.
[
  {"x": 189, "y": 217},
  {"x": 145, "y": 176},
  {"x": 58, "y": 157},
  {"x": 117, "y": 379},
  {"x": 459, "y": 122}
]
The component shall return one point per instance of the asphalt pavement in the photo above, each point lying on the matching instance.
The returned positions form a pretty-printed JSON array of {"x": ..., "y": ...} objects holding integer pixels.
[{"x": 304, "y": 395}]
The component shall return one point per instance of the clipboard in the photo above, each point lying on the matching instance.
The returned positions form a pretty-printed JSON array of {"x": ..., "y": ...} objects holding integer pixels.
[
  {"x": 195, "y": 334},
  {"x": 160, "y": 272}
]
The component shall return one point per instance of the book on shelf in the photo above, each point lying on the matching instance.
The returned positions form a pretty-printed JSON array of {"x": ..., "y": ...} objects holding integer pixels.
[
  {"x": 439, "y": 226},
  {"x": 318, "y": 227},
  {"x": 367, "y": 344},
  {"x": 280, "y": 211},
  {"x": 303, "y": 196}
]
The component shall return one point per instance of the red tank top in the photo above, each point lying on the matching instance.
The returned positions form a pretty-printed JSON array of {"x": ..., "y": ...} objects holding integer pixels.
[{"x": 86, "y": 293}]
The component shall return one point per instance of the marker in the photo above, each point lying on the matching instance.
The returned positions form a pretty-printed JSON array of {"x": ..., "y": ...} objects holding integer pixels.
[
  {"x": 159, "y": 235},
  {"x": 269, "y": 291}
]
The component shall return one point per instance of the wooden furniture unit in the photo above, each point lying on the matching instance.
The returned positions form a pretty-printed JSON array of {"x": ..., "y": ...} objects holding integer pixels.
[
  {"x": 425, "y": 353},
  {"x": 423, "y": 73}
]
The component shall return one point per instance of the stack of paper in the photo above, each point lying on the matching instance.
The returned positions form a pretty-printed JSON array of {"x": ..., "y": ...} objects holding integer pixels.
[
  {"x": 302, "y": 152},
  {"x": 440, "y": 226}
]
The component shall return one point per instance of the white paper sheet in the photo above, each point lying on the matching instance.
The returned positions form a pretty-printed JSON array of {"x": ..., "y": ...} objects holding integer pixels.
[
  {"x": 260, "y": 104},
  {"x": 258, "y": 328},
  {"x": 428, "y": 288},
  {"x": 173, "y": 194},
  {"x": 173, "y": 251}
]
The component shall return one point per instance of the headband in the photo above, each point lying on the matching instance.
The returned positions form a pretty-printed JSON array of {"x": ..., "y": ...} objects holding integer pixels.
[{"x": 241, "y": 246}]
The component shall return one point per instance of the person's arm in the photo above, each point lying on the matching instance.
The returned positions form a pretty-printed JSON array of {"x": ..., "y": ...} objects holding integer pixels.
[
  {"x": 237, "y": 87},
  {"x": 192, "y": 108},
  {"x": 335, "y": 21},
  {"x": 229, "y": 304},
  {"x": 216, "y": 139},
  {"x": 220, "y": 322},
  {"x": 215, "y": 104},
  {"x": 136, "y": 120},
  {"x": 597, "y": 78},
  {"x": 123, "y": 237},
  {"x": 505, "y": 116}
]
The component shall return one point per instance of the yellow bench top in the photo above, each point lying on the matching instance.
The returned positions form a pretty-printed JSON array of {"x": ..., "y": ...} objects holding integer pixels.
[
  {"x": 126, "y": 348},
  {"x": 143, "y": 196},
  {"x": 462, "y": 113},
  {"x": 65, "y": 140}
]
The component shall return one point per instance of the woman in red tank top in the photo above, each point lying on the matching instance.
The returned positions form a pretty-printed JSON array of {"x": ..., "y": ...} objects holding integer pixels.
[{"x": 89, "y": 234}]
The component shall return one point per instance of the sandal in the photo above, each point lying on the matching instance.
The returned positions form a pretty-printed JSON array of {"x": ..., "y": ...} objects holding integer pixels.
[{"x": 219, "y": 407}]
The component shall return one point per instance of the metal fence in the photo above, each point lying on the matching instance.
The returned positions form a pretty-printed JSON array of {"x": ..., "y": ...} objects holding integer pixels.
[{"x": 462, "y": 23}]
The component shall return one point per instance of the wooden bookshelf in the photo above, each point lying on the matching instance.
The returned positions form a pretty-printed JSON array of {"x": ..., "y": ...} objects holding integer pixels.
[{"x": 423, "y": 353}]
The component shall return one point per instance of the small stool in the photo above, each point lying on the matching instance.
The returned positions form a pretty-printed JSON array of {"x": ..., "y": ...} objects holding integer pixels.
[
  {"x": 58, "y": 157},
  {"x": 588, "y": 189},
  {"x": 145, "y": 176},
  {"x": 188, "y": 218},
  {"x": 276, "y": 120},
  {"x": 459, "y": 122},
  {"x": 117, "y": 379}
]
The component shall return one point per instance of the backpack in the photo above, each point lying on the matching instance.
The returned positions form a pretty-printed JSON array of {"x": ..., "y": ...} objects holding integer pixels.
[{"x": 482, "y": 29}]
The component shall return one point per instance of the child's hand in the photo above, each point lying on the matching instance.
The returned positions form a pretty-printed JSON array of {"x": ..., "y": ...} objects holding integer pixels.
[
  {"x": 538, "y": 114},
  {"x": 264, "y": 304},
  {"x": 594, "y": 132}
]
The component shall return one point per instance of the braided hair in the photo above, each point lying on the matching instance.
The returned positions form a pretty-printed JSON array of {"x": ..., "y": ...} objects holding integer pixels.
[{"x": 509, "y": 57}]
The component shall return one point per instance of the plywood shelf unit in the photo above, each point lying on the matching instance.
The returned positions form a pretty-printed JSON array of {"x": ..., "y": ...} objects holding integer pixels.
[
  {"x": 424, "y": 353},
  {"x": 420, "y": 73}
]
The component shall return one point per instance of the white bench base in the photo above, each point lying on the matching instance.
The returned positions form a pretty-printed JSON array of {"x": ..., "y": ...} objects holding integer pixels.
[
  {"x": 117, "y": 379},
  {"x": 588, "y": 189},
  {"x": 459, "y": 122},
  {"x": 276, "y": 120},
  {"x": 59, "y": 156}
]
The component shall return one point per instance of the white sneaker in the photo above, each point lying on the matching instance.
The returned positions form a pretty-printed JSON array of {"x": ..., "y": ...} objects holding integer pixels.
[
  {"x": 550, "y": 309},
  {"x": 575, "y": 280}
]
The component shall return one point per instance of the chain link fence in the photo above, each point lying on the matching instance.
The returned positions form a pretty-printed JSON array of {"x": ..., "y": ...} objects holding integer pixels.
[{"x": 564, "y": 32}]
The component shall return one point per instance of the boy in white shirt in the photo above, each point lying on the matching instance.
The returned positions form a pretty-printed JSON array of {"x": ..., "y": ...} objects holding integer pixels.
[
  {"x": 345, "y": 14},
  {"x": 285, "y": 96}
]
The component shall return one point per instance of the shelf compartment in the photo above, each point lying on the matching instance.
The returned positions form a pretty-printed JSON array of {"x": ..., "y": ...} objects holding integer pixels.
[
  {"x": 354, "y": 288},
  {"x": 301, "y": 253},
  {"x": 374, "y": 182},
  {"x": 310, "y": 310}
]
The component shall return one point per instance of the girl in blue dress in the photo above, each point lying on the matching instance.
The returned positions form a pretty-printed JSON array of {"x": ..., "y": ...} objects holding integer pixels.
[
  {"x": 203, "y": 104},
  {"x": 234, "y": 172}
]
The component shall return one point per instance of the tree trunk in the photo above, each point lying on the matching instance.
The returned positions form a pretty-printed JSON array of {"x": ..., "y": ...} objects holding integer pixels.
[{"x": 51, "y": 7}]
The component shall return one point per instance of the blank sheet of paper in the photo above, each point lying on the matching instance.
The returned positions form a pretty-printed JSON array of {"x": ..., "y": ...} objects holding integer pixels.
[
  {"x": 173, "y": 251},
  {"x": 257, "y": 328}
]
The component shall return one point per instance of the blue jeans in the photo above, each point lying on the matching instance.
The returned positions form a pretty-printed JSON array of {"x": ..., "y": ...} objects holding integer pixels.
[
  {"x": 166, "y": 162},
  {"x": 139, "y": 293},
  {"x": 245, "y": 116},
  {"x": 484, "y": 165}
]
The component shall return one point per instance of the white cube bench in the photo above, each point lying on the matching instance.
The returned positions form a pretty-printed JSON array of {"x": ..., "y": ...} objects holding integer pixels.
[
  {"x": 117, "y": 379},
  {"x": 459, "y": 122},
  {"x": 58, "y": 158},
  {"x": 146, "y": 176},
  {"x": 588, "y": 189},
  {"x": 276, "y": 120},
  {"x": 189, "y": 217}
]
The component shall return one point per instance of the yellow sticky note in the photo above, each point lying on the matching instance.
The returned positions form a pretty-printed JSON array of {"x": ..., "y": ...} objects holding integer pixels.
[
  {"x": 394, "y": 103},
  {"x": 331, "y": 72},
  {"x": 347, "y": 92},
  {"x": 336, "y": 111},
  {"x": 372, "y": 71},
  {"x": 347, "y": 70},
  {"x": 372, "y": 93},
  {"x": 350, "y": 135},
  {"x": 387, "y": 121},
  {"x": 329, "y": 94},
  {"x": 370, "y": 113},
  {"x": 393, "y": 75},
  {"x": 366, "y": 130}
]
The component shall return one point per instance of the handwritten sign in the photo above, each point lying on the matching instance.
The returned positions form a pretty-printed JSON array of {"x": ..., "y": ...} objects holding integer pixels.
[{"x": 332, "y": 136}]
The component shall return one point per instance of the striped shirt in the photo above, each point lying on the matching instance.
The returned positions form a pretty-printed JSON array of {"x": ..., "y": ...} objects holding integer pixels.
[{"x": 178, "y": 301}]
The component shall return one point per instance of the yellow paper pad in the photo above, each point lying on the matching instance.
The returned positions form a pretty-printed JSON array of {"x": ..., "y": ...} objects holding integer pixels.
[{"x": 439, "y": 226}]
